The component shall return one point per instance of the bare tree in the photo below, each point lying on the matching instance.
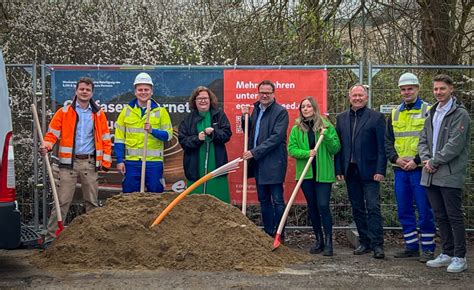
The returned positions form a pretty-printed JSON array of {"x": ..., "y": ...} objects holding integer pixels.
[
  {"x": 446, "y": 31},
  {"x": 422, "y": 31}
]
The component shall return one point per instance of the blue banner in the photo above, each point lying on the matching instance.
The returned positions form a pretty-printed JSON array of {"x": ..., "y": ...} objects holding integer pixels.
[{"x": 113, "y": 90}]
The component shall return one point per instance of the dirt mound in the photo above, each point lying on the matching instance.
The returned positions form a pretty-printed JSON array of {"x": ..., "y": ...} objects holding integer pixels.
[{"x": 200, "y": 233}]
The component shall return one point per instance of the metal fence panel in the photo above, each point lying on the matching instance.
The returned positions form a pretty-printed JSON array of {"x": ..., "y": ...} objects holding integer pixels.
[{"x": 382, "y": 79}]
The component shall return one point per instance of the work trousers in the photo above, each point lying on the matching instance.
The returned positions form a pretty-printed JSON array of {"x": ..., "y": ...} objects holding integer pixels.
[
  {"x": 408, "y": 192},
  {"x": 66, "y": 186},
  {"x": 133, "y": 175}
]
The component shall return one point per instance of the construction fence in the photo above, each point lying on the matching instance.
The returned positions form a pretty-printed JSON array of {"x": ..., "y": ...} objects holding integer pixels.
[{"x": 32, "y": 83}]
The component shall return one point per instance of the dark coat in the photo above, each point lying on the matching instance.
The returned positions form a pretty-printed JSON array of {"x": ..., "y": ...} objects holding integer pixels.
[
  {"x": 269, "y": 161},
  {"x": 188, "y": 138},
  {"x": 369, "y": 144}
]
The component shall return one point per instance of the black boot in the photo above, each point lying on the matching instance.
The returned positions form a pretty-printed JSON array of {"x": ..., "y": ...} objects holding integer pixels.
[
  {"x": 318, "y": 245},
  {"x": 328, "y": 247}
]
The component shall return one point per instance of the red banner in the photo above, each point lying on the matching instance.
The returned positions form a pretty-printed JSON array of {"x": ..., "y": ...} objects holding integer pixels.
[{"x": 291, "y": 86}]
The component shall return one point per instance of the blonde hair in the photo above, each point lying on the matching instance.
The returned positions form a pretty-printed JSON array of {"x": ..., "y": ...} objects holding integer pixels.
[{"x": 317, "y": 118}]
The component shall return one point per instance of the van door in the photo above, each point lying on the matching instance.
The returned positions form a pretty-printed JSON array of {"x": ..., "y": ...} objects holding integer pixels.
[{"x": 10, "y": 227}]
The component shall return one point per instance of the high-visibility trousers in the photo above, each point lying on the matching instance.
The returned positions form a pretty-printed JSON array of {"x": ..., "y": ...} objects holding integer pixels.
[
  {"x": 409, "y": 193},
  {"x": 153, "y": 177}
]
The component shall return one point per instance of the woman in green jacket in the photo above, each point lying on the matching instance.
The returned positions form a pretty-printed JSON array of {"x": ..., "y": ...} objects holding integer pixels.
[{"x": 318, "y": 179}]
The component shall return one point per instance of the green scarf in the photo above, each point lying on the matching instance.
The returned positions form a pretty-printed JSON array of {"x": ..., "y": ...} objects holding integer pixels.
[
  {"x": 219, "y": 186},
  {"x": 211, "y": 163}
]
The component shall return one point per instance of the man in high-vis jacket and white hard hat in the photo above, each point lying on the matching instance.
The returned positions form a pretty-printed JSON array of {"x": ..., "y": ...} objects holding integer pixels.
[
  {"x": 401, "y": 146},
  {"x": 130, "y": 134}
]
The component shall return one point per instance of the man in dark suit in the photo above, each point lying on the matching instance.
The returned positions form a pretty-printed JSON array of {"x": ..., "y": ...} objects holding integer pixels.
[{"x": 361, "y": 162}]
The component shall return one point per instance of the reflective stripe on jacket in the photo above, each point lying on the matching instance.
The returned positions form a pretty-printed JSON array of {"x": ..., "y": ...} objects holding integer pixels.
[
  {"x": 63, "y": 127},
  {"x": 407, "y": 125},
  {"x": 129, "y": 129}
]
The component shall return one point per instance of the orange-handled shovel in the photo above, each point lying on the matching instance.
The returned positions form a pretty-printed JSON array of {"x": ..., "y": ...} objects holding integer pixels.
[
  {"x": 277, "y": 241},
  {"x": 246, "y": 147},
  {"x": 145, "y": 146},
  {"x": 50, "y": 172}
]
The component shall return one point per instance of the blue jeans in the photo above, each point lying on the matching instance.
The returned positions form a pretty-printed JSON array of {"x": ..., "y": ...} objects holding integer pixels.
[
  {"x": 317, "y": 196},
  {"x": 408, "y": 191},
  {"x": 153, "y": 177},
  {"x": 365, "y": 200},
  {"x": 272, "y": 206}
]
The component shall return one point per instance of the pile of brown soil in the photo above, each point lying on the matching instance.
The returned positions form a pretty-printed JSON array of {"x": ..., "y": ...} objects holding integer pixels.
[{"x": 200, "y": 233}]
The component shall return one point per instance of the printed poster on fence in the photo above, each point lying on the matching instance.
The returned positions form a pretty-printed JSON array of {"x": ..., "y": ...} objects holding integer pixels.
[
  {"x": 291, "y": 86},
  {"x": 114, "y": 89}
]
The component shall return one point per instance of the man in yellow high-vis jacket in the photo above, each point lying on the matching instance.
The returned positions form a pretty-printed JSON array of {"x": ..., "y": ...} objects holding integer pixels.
[
  {"x": 401, "y": 145},
  {"x": 129, "y": 139}
]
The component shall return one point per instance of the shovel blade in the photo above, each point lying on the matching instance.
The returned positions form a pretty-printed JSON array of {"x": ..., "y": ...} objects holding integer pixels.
[
  {"x": 276, "y": 242},
  {"x": 60, "y": 228}
]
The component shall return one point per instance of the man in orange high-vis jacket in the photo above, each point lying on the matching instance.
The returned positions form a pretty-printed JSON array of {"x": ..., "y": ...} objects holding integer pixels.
[{"x": 84, "y": 148}]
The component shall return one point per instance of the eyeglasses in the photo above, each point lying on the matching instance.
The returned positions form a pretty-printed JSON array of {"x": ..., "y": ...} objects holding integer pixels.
[
  {"x": 202, "y": 99},
  {"x": 265, "y": 93}
]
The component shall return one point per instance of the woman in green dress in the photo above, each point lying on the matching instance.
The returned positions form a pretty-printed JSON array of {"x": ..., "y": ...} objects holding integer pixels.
[{"x": 202, "y": 135}]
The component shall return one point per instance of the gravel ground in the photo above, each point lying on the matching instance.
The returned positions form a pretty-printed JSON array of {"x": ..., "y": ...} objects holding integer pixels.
[
  {"x": 113, "y": 247},
  {"x": 343, "y": 270}
]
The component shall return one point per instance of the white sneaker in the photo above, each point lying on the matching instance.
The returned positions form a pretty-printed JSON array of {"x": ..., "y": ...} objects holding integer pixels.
[
  {"x": 441, "y": 261},
  {"x": 457, "y": 265}
]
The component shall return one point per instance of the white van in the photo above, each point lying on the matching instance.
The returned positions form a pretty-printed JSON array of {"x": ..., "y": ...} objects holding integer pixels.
[{"x": 10, "y": 226}]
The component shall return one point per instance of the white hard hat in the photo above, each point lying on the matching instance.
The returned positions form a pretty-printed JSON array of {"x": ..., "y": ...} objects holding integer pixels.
[
  {"x": 143, "y": 78},
  {"x": 407, "y": 79}
]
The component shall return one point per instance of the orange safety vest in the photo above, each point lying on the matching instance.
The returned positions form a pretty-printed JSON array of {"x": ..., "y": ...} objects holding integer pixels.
[{"x": 63, "y": 127}]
